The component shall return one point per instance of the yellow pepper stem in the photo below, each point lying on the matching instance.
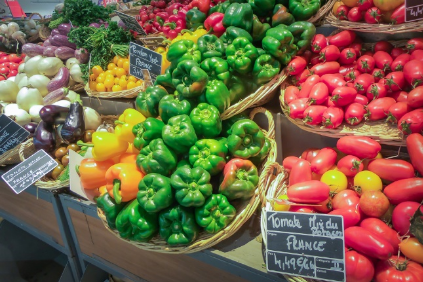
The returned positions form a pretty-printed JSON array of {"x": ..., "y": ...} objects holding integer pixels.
[
  {"x": 116, "y": 188},
  {"x": 119, "y": 122}
]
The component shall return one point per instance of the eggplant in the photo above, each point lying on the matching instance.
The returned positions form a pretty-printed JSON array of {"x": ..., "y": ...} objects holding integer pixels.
[
  {"x": 44, "y": 137},
  {"x": 51, "y": 113},
  {"x": 74, "y": 127},
  {"x": 31, "y": 127},
  {"x": 60, "y": 80},
  {"x": 55, "y": 96}
]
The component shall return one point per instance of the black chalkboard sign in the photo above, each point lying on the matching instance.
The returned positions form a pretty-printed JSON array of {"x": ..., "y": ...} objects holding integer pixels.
[
  {"x": 141, "y": 58},
  {"x": 131, "y": 23},
  {"x": 11, "y": 134},
  {"x": 413, "y": 10},
  {"x": 29, "y": 171},
  {"x": 307, "y": 245}
]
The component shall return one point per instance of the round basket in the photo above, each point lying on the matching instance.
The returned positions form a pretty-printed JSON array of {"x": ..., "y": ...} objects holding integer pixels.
[
  {"x": 244, "y": 209},
  {"x": 319, "y": 17},
  {"x": 77, "y": 87},
  {"x": 131, "y": 93},
  {"x": 36, "y": 37},
  {"x": 12, "y": 156},
  {"x": 44, "y": 32}
]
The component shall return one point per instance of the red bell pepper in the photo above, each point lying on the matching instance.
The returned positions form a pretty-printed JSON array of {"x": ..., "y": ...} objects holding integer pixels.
[
  {"x": 144, "y": 16},
  {"x": 158, "y": 4},
  {"x": 202, "y": 5},
  {"x": 214, "y": 22},
  {"x": 157, "y": 26},
  {"x": 174, "y": 8},
  {"x": 183, "y": 12},
  {"x": 173, "y": 26},
  {"x": 161, "y": 17}
]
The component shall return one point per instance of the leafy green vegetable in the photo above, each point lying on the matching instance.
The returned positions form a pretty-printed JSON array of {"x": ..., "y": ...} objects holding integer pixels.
[{"x": 85, "y": 12}]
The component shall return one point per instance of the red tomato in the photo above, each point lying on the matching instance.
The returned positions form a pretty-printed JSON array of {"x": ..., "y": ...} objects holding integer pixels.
[
  {"x": 351, "y": 216},
  {"x": 375, "y": 91},
  {"x": 411, "y": 122},
  {"x": 392, "y": 169},
  {"x": 343, "y": 38},
  {"x": 325, "y": 206},
  {"x": 319, "y": 94},
  {"x": 302, "y": 209},
  {"x": 344, "y": 199},
  {"x": 415, "y": 97},
  {"x": 300, "y": 172},
  {"x": 352, "y": 75},
  {"x": 313, "y": 115},
  {"x": 347, "y": 68},
  {"x": 297, "y": 79},
  {"x": 385, "y": 46},
  {"x": 333, "y": 81},
  {"x": 309, "y": 192},
  {"x": 291, "y": 94},
  {"x": 354, "y": 113},
  {"x": 373, "y": 15},
  {"x": 12, "y": 73},
  {"x": 398, "y": 15},
  {"x": 342, "y": 12},
  {"x": 398, "y": 269},
  {"x": 2, "y": 78},
  {"x": 378, "y": 108},
  {"x": 350, "y": 165},
  {"x": 383, "y": 60},
  {"x": 289, "y": 162},
  {"x": 4, "y": 60},
  {"x": 397, "y": 111},
  {"x": 332, "y": 117},
  {"x": 315, "y": 59},
  {"x": 296, "y": 108},
  {"x": 413, "y": 72},
  {"x": 3, "y": 54},
  {"x": 359, "y": 146},
  {"x": 5, "y": 64},
  {"x": 323, "y": 161},
  {"x": 400, "y": 61},
  {"x": 402, "y": 214},
  {"x": 326, "y": 68},
  {"x": 396, "y": 52},
  {"x": 347, "y": 56},
  {"x": 415, "y": 44},
  {"x": 378, "y": 74},
  {"x": 374, "y": 203},
  {"x": 361, "y": 99},
  {"x": 4, "y": 70},
  {"x": 344, "y": 95},
  {"x": 358, "y": 268},
  {"x": 410, "y": 189},
  {"x": 357, "y": 46},
  {"x": 308, "y": 85},
  {"x": 13, "y": 66},
  {"x": 329, "y": 53},
  {"x": 318, "y": 43},
  {"x": 15, "y": 58},
  {"x": 400, "y": 96},
  {"x": 415, "y": 150},
  {"x": 417, "y": 55},
  {"x": 296, "y": 65},
  {"x": 366, "y": 64},
  {"x": 395, "y": 81},
  {"x": 309, "y": 154},
  {"x": 355, "y": 15},
  {"x": 380, "y": 228}
]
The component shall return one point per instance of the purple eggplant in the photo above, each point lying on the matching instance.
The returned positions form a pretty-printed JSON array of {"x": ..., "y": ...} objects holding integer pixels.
[
  {"x": 55, "y": 32},
  {"x": 30, "y": 127},
  {"x": 64, "y": 28},
  {"x": 74, "y": 127},
  {"x": 44, "y": 137},
  {"x": 51, "y": 113},
  {"x": 55, "y": 95},
  {"x": 49, "y": 51},
  {"x": 61, "y": 79},
  {"x": 82, "y": 55}
]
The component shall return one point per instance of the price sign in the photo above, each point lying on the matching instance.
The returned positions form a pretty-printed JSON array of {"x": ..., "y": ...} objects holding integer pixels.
[
  {"x": 31, "y": 170},
  {"x": 307, "y": 245},
  {"x": 413, "y": 10},
  {"x": 144, "y": 63},
  {"x": 131, "y": 23},
  {"x": 11, "y": 134},
  {"x": 152, "y": 42}
]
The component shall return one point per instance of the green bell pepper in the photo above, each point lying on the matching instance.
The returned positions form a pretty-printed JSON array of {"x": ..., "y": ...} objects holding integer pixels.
[
  {"x": 265, "y": 68},
  {"x": 261, "y": 51},
  {"x": 183, "y": 163},
  {"x": 241, "y": 55},
  {"x": 147, "y": 131},
  {"x": 303, "y": 9},
  {"x": 303, "y": 34},
  {"x": 157, "y": 158},
  {"x": 262, "y": 7},
  {"x": 192, "y": 186},
  {"x": 155, "y": 192},
  {"x": 173, "y": 105},
  {"x": 179, "y": 134},
  {"x": 258, "y": 159},
  {"x": 279, "y": 42},
  {"x": 210, "y": 46},
  {"x": 238, "y": 88},
  {"x": 240, "y": 179},
  {"x": 182, "y": 50},
  {"x": 239, "y": 15},
  {"x": 233, "y": 32},
  {"x": 227, "y": 123},
  {"x": 259, "y": 29},
  {"x": 134, "y": 223},
  {"x": 209, "y": 154},
  {"x": 189, "y": 79},
  {"x": 147, "y": 102},
  {"x": 283, "y": 2},
  {"x": 215, "y": 214},
  {"x": 165, "y": 80},
  {"x": 246, "y": 139},
  {"x": 281, "y": 16},
  {"x": 110, "y": 208},
  {"x": 194, "y": 18},
  {"x": 216, "y": 68},
  {"x": 220, "y": 8},
  {"x": 206, "y": 120},
  {"x": 217, "y": 94},
  {"x": 177, "y": 226}
]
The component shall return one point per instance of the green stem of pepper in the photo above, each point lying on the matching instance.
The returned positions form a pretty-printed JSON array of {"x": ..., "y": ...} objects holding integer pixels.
[
  {"x": 77, "y": 169},
  {"x": 116, "y": 194},
  {"x": 172, "y": 25},
  {"x": 118, "y": 122},
  {"x": 80, "y": 144}
]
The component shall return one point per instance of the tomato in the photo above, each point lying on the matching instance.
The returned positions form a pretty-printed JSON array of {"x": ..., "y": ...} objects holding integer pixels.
[
  {"x": 410, "y": 189},
  {"x": 315, "y": 59},
  {"x": 378, "y": 108},
  {"x": 309, "y": 192},
  {"x": 15, "y": 58},
  {"x": 323, "y": 161},
  {"x": 351, "y": 76},
  {"x": 332, "y": 117},
  {"x": 359, "y": 146},
  {"x": 358, "y": 268},
  {"x": 309, "y": 154},
  {"x": 329, "y": 53},
  {"x": 400, "y": 96},
  {"x": 361, "y": 99},
  {"x": 402, "y": 214},
  {"x": 347, "y": 56},
  {"x": 302, "y": 209},
  {"x": 412, "y": 249},
  {"x": 400, "y": 61},
  {"x": 289, "y": 162},
  {"x": 318, "y": 43},
  {"x": 343, "y": 38},
  {"x": 380, "y": 228},
  {"x": 415, "y": 44},
  {"x": 355, "y": 15},
  {"x": 313, "y": 115},
  {"x": 325, "y": 206},
  {"x": 318, "y": 94},
  {"x": 351, "y": 3},
  {"x": 4, "y": 70},
  {"x": 344, "y": 199},
  {"x": 12, "y": 73},
  {"x": 413, "y": 72},
  {"x": 354, "y": 113},
  {"x": 345, "y": 69},
  {"x": 333, "y": 81},
  {"x": 395, "y": 81},
  {"x": 296, "y": 65},
  {"x": 300, "y": 172},
  {"x": 336, "y": 180},
  {"x": 396, "y": 52},
  {"x": 375, "y": 91},
  {"x": 397, "y": 111},
  {"x": 374, "y": 203},
  {"x": 366, "y": 64},
  {"x": 351, "y": 216},
  {"x": 280, "y": 206},
  {"x": 307, "y": 55},
  {"x": 2, "y": 78},
  {"x": 350, "y": 165},
  {"x": 378, "y": 74},
  {"x": 342, "y": 12},
  {"x": 411, "y": 122},
  {"x": 291, "y": 94},
  {"x": 326, "y": 68},
  {"x": 4, "y": 60},
  {"x": 5, "y": 64},
  {"x": 296, "y": 108},
  {"x": 357, "y": 46},
  {"x": 392, "y": 169},
  {"x": 398, "y": 269},
  {"x": 373, "y": 15},
  {"x": 308, "y": 85},
  {"x": 297, "y": 79},
  {"x": 13, "y": 66},
  {"x": 415, "y": 150},
  {"x": 344, "y": 95},
  {"x": 367, "y": 181},
  {"x": 417, "y": 55},
  {"x": 415, "y": 97}
]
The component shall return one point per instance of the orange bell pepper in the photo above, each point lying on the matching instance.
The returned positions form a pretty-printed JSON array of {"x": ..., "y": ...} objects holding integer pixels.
[
  {"x": 132, "y": 150},
  {"x": 128, "y": 158},
  {"x": 92, "y": 173},
  {"x": 122, "y": 182},
  {"x": 93, "y": 194}
]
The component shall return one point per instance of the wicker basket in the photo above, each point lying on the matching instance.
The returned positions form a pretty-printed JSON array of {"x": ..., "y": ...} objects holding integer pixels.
[
  {"x": 319, "y": 17},
  {"x": 12, "y": 156},
  {"x": 36, "y": 37},
  {"x": 44, "y": 32},
  {"x": 131, "y": 93},
  {"x": 244, "y": 209}
]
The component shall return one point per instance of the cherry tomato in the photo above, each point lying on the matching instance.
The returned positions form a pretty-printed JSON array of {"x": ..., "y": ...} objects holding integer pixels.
[
  {"x": 374, "y": 203},
  {"x": 378, "y": 108},
  {"x": 398, "y": 269},
  {"x": 13, "y": 66},
  {"x": 385, "y": 46},
  {"x": 413, "y": 72},
  {"x": 359, "y": 146},
  {"x": 375, "y": 91},
  {"x": 400, "y": 61},
  {"x": 396, "y": 52},
  {"x": 373, "y": 15},
  {"x": 342, "y": 12},
  {"x": 415, "y": 44},
  {"x": 355, "y": 15},
  {"x": 309, "y": 154},
  {"x": 4, "y": 71},
  {"x": 12, "y": 73},
  {"x": 309, "y": 192},
  {"x": 354, "y": 113},
  {"x": 313, "y": 115},
  {"x": 343, "y": 38},
  {"x": 351, "y": 216},
  {"x": 314, "y": 59},
  {"x": 333, "y": 81},
  {"x": 345, "y": 69},
  {"x": 378, "y": 74},
  {"x": 318, "y": 43},
  {"x": 289, "y": 162},
  {"x": 358, "y": 268},
  {"x": 402, "y": 214},
  {"x": 415, "y": 97},
  {"x": 410, "y": 189},
  {"x": 367, "y": 181},
  {"x": 4, "y": 60},
  {"x": 411, "y": 122},
  {"x": 400, "y": 96},
  {"x": 366, "y": 64},
  {"x": 325, "y": 206},
  {"x": 297, "y": 79},
  {"x": 412, "y": 249},
  {"x": 417, "y": 55},
  {"x": 397, "y": 111},
  {"x": 357, "y": 46},
  {"x": 350, "y": 165},
  {"x": 415, "y": 150},
  {"x": 300, "y": 172},
  {"x": 323, "y": 161},
  {"x": 329, "y": 53},
  {"x": 344, "y": 199},
  {"x": 319, "y": 94},
  {"x": 336, "y": 180},
  {"x": 296, "y": 65},
  {"x": 361, "y": 99},
  {"x": 297, "y": 108},
  {"x": 308, "y": 85},
  {"x": 291, "y": 94},
  {"x": 363, "y": 82},
  {"x": 2, "y": 78},
  {"x": 392, "y": 169},
  {"x": 332, "y": 117},
  {"x": 395, "y": 81},
  {"x": 344, "y": 95},
  {"x": 326, "y": 68},
  {"x": 379, "y": 227},
  {"x": 347, "y": 56}
]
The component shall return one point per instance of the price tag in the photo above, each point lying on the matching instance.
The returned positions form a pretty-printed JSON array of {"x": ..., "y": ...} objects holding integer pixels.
[
  {"x": 413, "y": 10},
  {"x": 152, "y": 42},
  {"x": 28, "y": 172},
  {"x": 131, "y": 23},
  {"x": 307, "y": 245},
  {"x": 11, "y": 134},
  {"x": 142, "y": 59}
]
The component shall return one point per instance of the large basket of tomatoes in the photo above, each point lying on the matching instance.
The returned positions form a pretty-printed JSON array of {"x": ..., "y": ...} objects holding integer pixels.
[{"x": 375, "y": 191}]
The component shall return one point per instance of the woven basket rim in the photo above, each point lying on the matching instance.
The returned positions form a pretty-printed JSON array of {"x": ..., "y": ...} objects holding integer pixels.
[
  {"x": 131, "y": 93},
  {"x": 322, "y": 12}
]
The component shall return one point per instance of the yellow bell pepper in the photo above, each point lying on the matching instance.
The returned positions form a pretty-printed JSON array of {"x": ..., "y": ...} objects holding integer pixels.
[
  {"x": 191, "y": 35},
  {"x": 165, "y": 62},
  {"x": 106, "y": 146},
  {"x": 127, "y": 120}
]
